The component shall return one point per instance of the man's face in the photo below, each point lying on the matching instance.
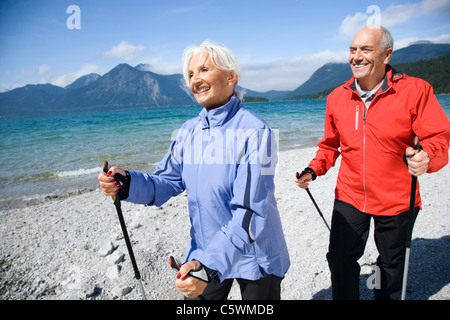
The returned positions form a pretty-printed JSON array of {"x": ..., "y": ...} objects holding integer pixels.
[{"x": 367, "y": 60}]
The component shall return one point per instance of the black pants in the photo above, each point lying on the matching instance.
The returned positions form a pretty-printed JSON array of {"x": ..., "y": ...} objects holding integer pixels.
[
  {"x": 267, "y": 288},
  {"x": 349, "y": 233}
]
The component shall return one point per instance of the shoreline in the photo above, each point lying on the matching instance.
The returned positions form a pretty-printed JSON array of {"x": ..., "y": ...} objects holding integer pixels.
[
  {"x": 52, "y": 250},
  {"x": 62, "y": 193}
]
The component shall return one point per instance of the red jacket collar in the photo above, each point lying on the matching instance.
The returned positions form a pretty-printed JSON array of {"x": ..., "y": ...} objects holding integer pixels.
[{"x": 391, "y": 74}]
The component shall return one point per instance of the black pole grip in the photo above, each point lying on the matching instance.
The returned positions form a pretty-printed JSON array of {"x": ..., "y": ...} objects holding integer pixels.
[
  {"x": 118, "y": 177},
  {"x": 416, "y": 143},
  {"x": 174, "y": 263},
  {"x": 105, "y": 167}
]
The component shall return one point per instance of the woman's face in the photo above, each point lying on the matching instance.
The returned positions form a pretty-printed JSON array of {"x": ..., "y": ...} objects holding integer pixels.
[{"x": 212, "y": 87}]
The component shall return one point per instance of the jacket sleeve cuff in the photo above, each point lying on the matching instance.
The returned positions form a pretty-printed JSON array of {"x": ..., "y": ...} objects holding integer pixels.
[
  {"x": 311, "y": 171},
  {"x": 142, "y": 188},
  {"x": 431, "y": 155}
]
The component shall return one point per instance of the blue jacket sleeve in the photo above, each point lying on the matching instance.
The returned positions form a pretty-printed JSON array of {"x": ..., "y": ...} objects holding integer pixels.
[
  {"x": 157, "y": 188},
  {"x": 253, "y": 200}
]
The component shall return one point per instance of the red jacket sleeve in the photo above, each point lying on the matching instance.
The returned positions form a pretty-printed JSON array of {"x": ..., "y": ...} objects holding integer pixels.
[
  {"x": 329, "y": 145},
  {"x": 433, "y": 128}
]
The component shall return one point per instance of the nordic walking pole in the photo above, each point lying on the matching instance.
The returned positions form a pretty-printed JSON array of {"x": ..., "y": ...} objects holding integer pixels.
[
  {"x": 416, "y": 148},
  {"x": 315, "y": 204},
  {"x": 116, "y": 200}
]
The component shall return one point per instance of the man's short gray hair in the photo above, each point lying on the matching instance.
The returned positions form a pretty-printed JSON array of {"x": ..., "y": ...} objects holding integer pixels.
[
  {"x": 220, "y": 56},
  {"x": 386, "y": 42}
]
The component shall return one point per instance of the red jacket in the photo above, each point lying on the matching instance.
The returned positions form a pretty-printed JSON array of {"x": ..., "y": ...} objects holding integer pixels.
[{"x": 373, "y": 176}]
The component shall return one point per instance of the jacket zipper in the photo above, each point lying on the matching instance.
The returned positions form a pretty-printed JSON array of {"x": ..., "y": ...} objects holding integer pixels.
[
  {"x": 204, "y": 145},
  {"x": 364, "y": 159},
  {"x": 365, "y": 110}
]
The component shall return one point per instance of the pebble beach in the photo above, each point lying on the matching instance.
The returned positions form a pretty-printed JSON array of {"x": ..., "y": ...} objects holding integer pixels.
[{"x": 72, "y": 248}]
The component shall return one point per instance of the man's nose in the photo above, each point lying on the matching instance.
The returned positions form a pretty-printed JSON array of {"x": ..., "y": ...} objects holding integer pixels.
[{"x": 358, "y": 55}]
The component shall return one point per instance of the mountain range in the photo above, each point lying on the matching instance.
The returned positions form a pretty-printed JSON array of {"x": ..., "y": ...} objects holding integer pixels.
[{"x": 126, "y": 87}]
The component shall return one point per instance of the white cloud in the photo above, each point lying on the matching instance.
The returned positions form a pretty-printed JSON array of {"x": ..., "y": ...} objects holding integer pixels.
[
  {"x": 393, "y": 15},
  {"x": 351, "y": 24},
  {"x": 286, "y": 74},
  {"x": 398, "y": 14},
  {"x": 44, "y": 68},
  {"x": 27, "y": 72},
  {"x": 6, "y": 87},
  {"x": 124, "y": 51},
  {"x": 290, "y": 73},
  {"x": 47, "y": 72},
  {"x": 70, "y": 77},
  {"x": 445, "y": 38},
  {"x": 402, "y": 43},
  {"x": 435, "y": 6},
  {"x": 166, "y": 69}
]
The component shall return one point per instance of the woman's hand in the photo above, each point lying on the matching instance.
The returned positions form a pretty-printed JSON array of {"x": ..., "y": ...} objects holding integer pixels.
[
  {"x": 108, "y": 184},
  {"x": 189, "y": 287}
]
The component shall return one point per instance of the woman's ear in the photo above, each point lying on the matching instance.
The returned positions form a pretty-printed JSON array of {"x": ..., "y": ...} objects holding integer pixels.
[{"x": 232, "y": 79}]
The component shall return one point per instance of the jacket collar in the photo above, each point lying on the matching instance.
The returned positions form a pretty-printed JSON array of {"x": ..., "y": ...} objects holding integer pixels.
[
  {"x": 219, "y": 116},
  {"x": 390, "y": 77}
]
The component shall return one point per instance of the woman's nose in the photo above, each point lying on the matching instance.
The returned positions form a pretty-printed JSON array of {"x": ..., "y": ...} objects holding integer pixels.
[{"x": 195, "y": 80}]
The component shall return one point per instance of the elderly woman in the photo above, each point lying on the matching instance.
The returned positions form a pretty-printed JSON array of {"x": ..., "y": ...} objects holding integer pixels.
[{"x": 225, "y": 160}]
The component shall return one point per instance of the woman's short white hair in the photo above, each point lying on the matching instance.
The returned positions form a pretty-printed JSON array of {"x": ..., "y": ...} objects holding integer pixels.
[{"x": 220, "y": 56}]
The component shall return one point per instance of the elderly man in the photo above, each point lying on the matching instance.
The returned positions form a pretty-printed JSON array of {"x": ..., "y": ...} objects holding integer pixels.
[{"x": 371, "y": 121}]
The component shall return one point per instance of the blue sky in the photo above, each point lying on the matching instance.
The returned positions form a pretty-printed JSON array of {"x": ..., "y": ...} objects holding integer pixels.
[{"x": 278, "y": 43}]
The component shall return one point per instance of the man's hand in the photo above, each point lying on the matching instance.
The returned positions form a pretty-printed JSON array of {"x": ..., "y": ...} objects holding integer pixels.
[
  {"x": 304, "y": 180},
  {"x": 417, "y": 163}
]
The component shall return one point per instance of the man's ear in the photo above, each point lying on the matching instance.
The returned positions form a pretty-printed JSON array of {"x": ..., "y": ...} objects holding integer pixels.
[{"x": 388, "y": 55}]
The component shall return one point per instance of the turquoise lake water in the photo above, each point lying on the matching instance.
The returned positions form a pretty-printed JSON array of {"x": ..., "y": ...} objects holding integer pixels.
[{"x": 53, "y": 155}]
